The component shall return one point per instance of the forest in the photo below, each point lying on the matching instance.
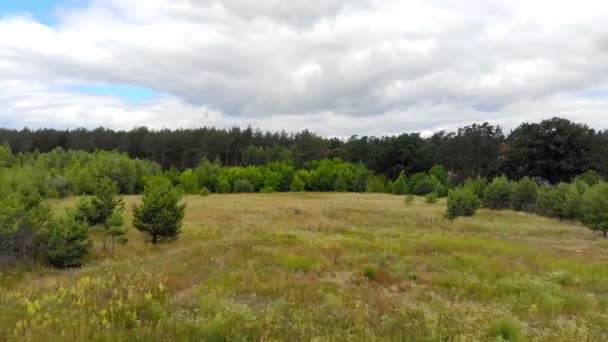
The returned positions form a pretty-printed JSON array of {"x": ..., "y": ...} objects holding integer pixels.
[{"x": 553, "y": 150}]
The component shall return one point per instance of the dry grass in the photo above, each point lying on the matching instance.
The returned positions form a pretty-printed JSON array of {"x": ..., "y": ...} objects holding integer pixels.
[{"x": 328, "y": 267}]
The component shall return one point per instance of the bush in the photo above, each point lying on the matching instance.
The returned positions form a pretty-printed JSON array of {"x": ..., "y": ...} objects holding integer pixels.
[
  {"x": 524, "y": 195},
  {"x": 563, "y": 201},
  {"x": 205, "y": 191},
  {"x": 242, "y": 185},
  {"x": 422, "y": 184},
  {"x": 100, "y": 207},
  {"x": 66, "y": 242},
  {"x": 440, "y": 173},
  {"x": 431, "y": 198},
  {"x": 376, "y": 184},
  {"x": 477, "y": 185},
  {"x": 590, "y": 177},
  {"x": 189, "y": 181},
  {"x": 409, "y": 199},
  {"x": 297, "y": 185},
  {"x": 400, "y": 185},
  {"x": 160, "y": 214},
  {"x": 267, "y": 190},
  {"x": 461, "y": 202},
  {"x": 497, "y": 194},
  {"x": 370, "y": 271},
  {"x": 595, "y": 208},
  {"x": 506, "y": 329}
]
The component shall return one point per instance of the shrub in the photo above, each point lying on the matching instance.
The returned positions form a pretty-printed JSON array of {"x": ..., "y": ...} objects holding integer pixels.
[
  {"x": 477, "y": 185},
  {"x": 422, "y": 184},
  {"x": 441, "y": 190},
  {"x": 160, "y": 214},
  {"x": 369, "y": 271},
  {"x": 189, "y": 181},
  {"x": 242, "y": 185},
  {"x": 101, "y": 206},
  {"x": 590, "y": 177},
  {"x": 267, "y": 190},
  {"x": 507, "y": 329},
  {"x": 563, "y": 201},
  {"x": 497, "y": 194},
  {"x": 524, "y": 195},
  {"x": 66, "y": 242},
  {"x": 297, "y": 185},
  {"x": 400, "y": 185},
  {"x": 223, "y": 184},
  {"x": 205, "y": 191},
  {"x": 409, "y": 199},
  {"x": 375, "y": 184},
  {"x": 431, "y": 198},
  {"x": 461, "y": 202},
  {"x": 595, "y": 208},
  {"x": 117, "y": 229},
  {"x": 440, "y": 173}
]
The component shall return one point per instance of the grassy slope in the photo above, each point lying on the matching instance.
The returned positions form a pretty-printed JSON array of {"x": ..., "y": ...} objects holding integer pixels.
[{"x": 292, "y": 267}]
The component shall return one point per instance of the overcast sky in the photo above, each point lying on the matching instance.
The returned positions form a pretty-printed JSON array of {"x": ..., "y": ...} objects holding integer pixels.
[{"x": 336, "y": 67}]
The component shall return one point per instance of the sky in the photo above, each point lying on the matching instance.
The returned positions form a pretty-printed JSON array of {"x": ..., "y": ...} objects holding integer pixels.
[{"x": 336, "y": 67}]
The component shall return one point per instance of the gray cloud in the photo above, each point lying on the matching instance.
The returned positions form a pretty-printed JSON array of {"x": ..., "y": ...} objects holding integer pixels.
[{"x": 339, "y": 66}]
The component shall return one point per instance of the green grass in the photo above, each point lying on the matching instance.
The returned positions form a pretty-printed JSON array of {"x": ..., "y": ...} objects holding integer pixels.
[{"x": 329, "y": 267}]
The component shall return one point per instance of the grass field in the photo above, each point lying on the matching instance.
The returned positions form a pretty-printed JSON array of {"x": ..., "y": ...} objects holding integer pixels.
[{"x": 325, "y": 267}]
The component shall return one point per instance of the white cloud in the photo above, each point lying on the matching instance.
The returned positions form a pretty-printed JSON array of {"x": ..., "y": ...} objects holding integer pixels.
[{"x": 337, "y": 67}]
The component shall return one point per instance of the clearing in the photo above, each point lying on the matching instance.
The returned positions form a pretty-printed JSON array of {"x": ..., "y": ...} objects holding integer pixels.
[{"x": 312, "y": 266}]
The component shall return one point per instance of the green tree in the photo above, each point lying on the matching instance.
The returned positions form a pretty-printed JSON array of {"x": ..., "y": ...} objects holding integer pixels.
[
  {"x": 400, "y": 185},
  {"x": 461, "y": 201},
  {"x": 497, "y": 194},
  {"x": 595, "y": 208},
  {"x": 440, "y": 173},
  {"x": 161, "y": 212},
  {"x": 563, "y": 201},
  {"x": 590, "y": 177},
  {"x": 297, "y": 185},
  {"x": 117, "y": 230},
  {"x": 189, "y": 181},
  {"x": 242, "y": 185},
  {"x": 66, "y": 242},
  {"x": 524, "y": 195}
]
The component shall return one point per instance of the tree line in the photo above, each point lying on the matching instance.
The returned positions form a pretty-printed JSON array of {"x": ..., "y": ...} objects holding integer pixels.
[
  {"x": 585, "y": 199},
  {"x": 553, "y": 150}
]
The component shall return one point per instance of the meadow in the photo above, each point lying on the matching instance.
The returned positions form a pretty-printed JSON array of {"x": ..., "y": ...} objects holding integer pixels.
[{"x": 323, "y": 267}]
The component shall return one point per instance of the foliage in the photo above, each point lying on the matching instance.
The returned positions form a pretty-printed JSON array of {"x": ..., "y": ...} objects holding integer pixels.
[
  {"x": 563, "y": 201},
  {"x": 595, "y": 208},
  {"x": 66, "y": 242},
  {"x": 117, "y": 229},
  {"x": 497, "y": 195},
  {"x": 477, "y": 185},
  {"x": 242, "y": 185},
  {"x": 297, "y": 185},
  {"x": 400, "y": 186},
  {"x": 506, "y": 329},
  {"x": 422, "y": 184},
  {"x": 431, "y": 198},
  {"x": 590, "y": 177},
  {"x": 205, "y": 191},
  {"x": 161, "y": 212},
  {"x": 189, "y": 181},
  {"x": 524, "y": 194},
  {"x": 555, "y": 150},
  {"x": 376, "y": 184},
  {"x": 461, "y": 201}
]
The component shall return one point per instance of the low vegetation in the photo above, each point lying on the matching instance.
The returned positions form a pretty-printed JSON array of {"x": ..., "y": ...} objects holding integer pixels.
[{"x": 305, "y": 266}]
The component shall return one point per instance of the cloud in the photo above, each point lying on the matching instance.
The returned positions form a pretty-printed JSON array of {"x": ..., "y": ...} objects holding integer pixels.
[{"x": 337, "y": 67}]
